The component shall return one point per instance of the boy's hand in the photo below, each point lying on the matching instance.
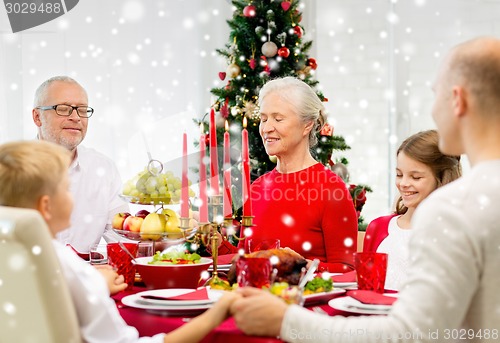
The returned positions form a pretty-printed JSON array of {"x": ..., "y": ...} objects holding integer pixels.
[
  {"x": 220, "y": 311},
  {"x": 258, "y": 312},
  {"x": 116, "y": 283}
]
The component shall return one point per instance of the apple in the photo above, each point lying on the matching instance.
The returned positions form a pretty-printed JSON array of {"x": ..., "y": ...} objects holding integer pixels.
[
  {"x": 153, "y": 226},
  {"x": 142, "y": 213},
  {"x": 118, "y": 219},
  {"x": 133, "y": 223}
]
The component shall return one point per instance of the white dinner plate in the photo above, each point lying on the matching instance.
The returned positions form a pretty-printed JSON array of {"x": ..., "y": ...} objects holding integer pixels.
[
  {"x": 179, "y": 307},
  {"x": 344, "y": 284},
  {"x": 340, "y": 284},
  {"x": 322, "y": 297},
  {"x": 220, "y": 267},
  {"x": 172, "y": 292},
  {"x": 351, "y": 305}
]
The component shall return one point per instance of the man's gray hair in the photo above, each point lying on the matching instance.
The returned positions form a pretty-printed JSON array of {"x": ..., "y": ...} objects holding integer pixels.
[{"x": 41, "y": 91}]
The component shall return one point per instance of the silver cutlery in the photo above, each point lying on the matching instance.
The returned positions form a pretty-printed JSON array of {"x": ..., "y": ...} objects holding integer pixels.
[{"x": 309, "y": 273}]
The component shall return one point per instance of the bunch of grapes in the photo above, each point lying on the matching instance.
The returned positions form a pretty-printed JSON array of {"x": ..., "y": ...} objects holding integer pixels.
[{"x": 152, "y": 188}]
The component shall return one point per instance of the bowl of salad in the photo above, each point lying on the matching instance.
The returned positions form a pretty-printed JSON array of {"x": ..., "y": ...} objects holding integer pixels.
[{"x": 174, "y": 269}]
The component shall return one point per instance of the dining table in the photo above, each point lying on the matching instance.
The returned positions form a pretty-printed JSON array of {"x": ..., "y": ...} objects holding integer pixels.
[{"x": 149, "y": 323}]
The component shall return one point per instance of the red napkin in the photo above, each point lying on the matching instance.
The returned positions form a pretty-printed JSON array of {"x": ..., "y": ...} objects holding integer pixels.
[
  {"x": 199, "y": 294},
  {"x": 346, "y": 277},
  {"x": 225, "y": 259},
  {"x": 371, "y": 297}
]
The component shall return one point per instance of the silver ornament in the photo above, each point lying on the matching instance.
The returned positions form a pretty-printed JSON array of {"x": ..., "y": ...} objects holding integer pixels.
[{"x": 269, "y": 49}]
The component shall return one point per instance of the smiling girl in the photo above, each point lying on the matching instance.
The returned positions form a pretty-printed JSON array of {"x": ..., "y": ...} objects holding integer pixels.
[{"x": 421, "y": 168}]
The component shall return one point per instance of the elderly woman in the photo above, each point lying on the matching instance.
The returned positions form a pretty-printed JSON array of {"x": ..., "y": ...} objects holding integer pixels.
[{"x": 303, "y": 204}]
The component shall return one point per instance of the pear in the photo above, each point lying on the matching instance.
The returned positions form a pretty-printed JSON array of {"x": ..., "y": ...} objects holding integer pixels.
[
  {"x": 153, "y": 226},
  {"x": 172, "y": 226}
]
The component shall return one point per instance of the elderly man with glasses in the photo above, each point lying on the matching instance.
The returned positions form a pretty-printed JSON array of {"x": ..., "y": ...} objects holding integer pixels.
[{"x": 61, "y": 113}]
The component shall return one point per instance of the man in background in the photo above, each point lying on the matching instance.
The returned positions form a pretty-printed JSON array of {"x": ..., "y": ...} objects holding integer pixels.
[{"x": 61, "y": 113}]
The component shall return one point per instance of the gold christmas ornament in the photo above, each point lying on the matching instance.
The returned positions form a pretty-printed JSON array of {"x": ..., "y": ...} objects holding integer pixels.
[
  {"x": 249, "y": 109},
  {"x": 233, "y": 70},
  {"x": 273, "y": 158}
]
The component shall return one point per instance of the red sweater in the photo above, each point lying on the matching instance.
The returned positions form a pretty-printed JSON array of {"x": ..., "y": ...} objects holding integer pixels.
[
  {"x": 309, "y": 211},
  {"x": 376, "y": 232}
]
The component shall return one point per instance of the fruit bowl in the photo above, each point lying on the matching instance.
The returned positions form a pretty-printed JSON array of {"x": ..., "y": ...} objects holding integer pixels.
[
  {"x": 171, "y": 237},
  {"x": 148, "y": 200},
  {"x": 171, "y": 276},
  {"x": 153, "y": 186}
]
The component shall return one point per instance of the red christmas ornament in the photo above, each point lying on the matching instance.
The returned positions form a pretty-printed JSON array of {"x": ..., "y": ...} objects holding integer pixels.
[
  {"x": 284, "y": 52},
  {"x": 263, "y": 61},
  {"x": 249, "y": 11},
  {"x": 285, "y": 5},
  {"x": 298, "y": 30},
  {"x": 224, "y": 112},
  {"x": 252, "y": 63},
  {"x": 222, "y": 75},
  {"x": 326, "y": 130},
  {"x": 311, "y": 62},
  {"x": 298, "y": 15},
  {"x": 228, "y": 86},
  {"x": 264, "y": 64}
]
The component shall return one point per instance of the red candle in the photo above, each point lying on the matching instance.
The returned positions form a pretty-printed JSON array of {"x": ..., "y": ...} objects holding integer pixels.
[
  {"x": 214, "y": 161},
  {"x": 228, "y": 209},
  {"x": 203, "y": 180},
  {"x": 247, "y": 203},
  {"x": 184, "y": 186}
]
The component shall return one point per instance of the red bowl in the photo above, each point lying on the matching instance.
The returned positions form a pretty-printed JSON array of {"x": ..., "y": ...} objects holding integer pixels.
[{"x": 171, "y": 276}]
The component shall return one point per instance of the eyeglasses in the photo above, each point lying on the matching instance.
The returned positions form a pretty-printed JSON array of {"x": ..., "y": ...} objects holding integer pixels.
[{"x": 66, "y": 110}]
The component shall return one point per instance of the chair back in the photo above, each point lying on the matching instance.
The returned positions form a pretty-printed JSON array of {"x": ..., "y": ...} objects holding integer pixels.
[{"x": 35, "y": 302}]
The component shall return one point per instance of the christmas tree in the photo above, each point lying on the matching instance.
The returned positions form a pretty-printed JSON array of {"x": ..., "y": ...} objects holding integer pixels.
[{"x": 266, "y": 42}]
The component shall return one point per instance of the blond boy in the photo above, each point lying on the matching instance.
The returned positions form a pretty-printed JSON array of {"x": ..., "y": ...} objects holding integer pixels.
[{"x": 34, "y": 174}]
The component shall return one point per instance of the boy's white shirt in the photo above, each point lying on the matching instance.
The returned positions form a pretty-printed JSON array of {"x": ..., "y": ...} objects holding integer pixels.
[{"x": 98, "y": 316}]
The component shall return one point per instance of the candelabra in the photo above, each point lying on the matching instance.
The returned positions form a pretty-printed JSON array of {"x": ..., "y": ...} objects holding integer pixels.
[{"x": 209, "y": 234}]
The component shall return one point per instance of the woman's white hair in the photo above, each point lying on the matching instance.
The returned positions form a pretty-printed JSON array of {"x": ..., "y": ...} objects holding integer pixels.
[{"x": 306, "y": 102}]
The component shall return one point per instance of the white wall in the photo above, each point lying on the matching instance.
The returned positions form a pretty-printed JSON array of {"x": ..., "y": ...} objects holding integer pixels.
[{"x": 147, "y": 63}]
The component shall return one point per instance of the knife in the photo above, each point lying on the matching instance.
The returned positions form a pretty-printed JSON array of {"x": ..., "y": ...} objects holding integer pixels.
[{"x": 310, "y": 272}]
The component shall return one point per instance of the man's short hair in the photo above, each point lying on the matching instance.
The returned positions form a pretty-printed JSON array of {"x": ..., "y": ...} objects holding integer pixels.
[
  {"x": 479, "y": 70},
  {"x": 41, "y": 91}
]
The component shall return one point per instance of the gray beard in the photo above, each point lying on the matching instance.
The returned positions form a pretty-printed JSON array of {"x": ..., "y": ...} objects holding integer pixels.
[{"x": 68, "y": 144}]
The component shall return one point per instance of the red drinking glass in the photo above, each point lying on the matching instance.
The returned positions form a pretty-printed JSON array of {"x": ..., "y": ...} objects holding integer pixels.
[
  {"x": 253, "y": 272},
  {"x": 371, "y": 269},
  {"x": 122, "y": 261},
  {"x": 257, "y": 245}
]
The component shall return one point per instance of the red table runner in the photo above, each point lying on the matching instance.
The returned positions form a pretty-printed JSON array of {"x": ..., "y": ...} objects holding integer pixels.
[{"x": 149, "y": 324}]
